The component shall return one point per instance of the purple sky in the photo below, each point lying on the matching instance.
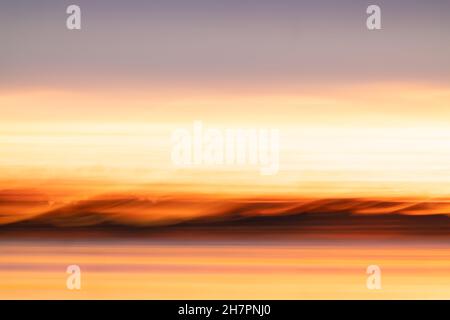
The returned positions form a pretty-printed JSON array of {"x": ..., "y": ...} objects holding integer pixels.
[{"x": 227, "y": 42}]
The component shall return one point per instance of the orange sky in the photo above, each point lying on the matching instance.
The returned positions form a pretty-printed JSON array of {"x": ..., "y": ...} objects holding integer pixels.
[{"x": 385, "y": 140}]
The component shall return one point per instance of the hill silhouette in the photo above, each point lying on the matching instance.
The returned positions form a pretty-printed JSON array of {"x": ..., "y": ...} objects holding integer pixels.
[{"x": 141, "y": 217}]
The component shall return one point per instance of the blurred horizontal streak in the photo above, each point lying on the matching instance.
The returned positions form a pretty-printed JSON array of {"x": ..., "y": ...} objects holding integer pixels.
[{"x": 295, "y": 271}]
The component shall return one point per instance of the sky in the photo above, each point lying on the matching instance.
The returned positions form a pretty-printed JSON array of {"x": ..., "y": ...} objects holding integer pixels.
[
  {"x": 361, "y": 113},
  {"x": 221, "y": 44}
]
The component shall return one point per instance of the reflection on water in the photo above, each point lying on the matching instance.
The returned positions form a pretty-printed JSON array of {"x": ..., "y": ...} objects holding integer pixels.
[{"x": 223, "y": 270}]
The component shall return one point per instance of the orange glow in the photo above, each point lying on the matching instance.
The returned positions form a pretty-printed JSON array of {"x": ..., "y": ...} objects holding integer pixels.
[
  {"x": 242, "y": 271},
  {"x": 371, "y": 141},
  {"x": 82, "y": 160}
]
